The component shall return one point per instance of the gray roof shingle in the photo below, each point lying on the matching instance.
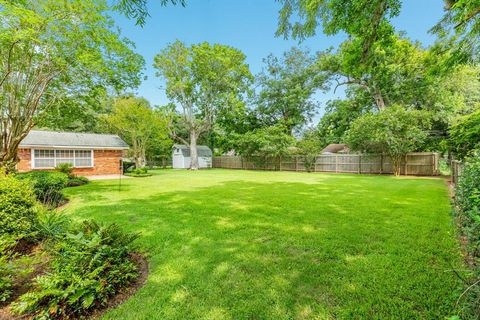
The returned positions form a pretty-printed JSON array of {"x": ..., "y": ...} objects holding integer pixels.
[{"x": 54, "y": 139}]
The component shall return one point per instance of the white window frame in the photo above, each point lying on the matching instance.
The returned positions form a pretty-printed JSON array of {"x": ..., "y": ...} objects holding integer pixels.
[{"x": 55, "y": 158}]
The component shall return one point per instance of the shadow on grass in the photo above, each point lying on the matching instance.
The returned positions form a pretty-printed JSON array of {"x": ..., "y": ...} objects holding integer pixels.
[{"x": 278, "y": 250}]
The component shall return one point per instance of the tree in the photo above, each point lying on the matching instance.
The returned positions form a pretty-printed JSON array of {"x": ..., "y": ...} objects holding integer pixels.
[
  {"x": 464, "y": 135},
  {"x": 137, "y": 9},
  {"x": 459, "y": 29},
  {"x": 366, "y": 20},
  {"x": 286, "y": 87},
  {"x": 394, "y": 131},
  {"x": 267, "y": 142},
  {"x": 138, "y": 124},
  {"x": 204, "y": 81},
  {"x": 309, "y": 146},
  {"x": 50, "y": 50}
]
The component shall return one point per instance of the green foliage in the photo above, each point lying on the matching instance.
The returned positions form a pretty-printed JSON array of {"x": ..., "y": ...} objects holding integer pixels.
[
  {"x": 365, "y": 20},
  {"x": 309, "y": 147},
  {"x": 52, "y": 225},
  {"x": 459, "y": 29},
  {"x": 207, "y": 82},
  {"x": 47, "y": 185},
  {"x": 265, "y": 142},
  {"x": 65, "y": 168},
  {"x": 88, "y": 266},
  {"x": 286, "y": 87},
  {"x": 394, "y": 131},
  {"x": 77, "y": 181},
  {"x": 467, "y": 200},
  {"x": 464, "y": 135},
  {"x": 137, "y": 9},
  {"x": 7, "y": 242},
  {"x": 17, "y": 207},
  {"x": 51, "y": 50},
  {"x": 137, "y": 123}
]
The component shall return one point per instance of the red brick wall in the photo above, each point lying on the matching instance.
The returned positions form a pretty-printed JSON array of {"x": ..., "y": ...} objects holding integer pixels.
[
  {"x": 104, "y": 162},
  {"x": 25, "y": 156}
]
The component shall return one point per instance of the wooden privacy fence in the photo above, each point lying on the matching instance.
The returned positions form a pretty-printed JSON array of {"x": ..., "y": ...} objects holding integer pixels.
[
  {"x": 419, "y": 163},
  {"x": 456, "y": 167}
]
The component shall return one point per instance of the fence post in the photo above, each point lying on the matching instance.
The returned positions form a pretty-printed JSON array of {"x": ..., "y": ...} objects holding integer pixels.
[
  {"x": 406, "y": 164},
  {"x": 296, "y": 163},
  {"x": 336, "y": 163},
  {"x": 315, "y": 164},
  {"x": 359, "y": 163},
  {"x": 381, "y": 163}
]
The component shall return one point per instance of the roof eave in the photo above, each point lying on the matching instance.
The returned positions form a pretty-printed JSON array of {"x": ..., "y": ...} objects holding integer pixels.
[{"x": 71, "y": 147}]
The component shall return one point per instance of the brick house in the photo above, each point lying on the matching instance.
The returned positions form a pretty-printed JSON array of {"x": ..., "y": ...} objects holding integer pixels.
[{"x": 89, "y": 154}]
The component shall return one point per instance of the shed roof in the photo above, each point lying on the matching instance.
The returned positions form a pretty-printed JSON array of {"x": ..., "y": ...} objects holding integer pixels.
[
  {"x": 55, "y": 139},
  {"x": 202, "y": 151},
  {"x": 336, "y": 148}
]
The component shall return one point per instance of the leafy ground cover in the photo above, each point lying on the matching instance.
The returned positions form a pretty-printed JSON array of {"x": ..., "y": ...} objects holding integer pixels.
[{"x": 226, "y": 244}]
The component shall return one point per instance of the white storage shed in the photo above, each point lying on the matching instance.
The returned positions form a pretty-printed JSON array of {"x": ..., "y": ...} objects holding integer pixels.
[{"x": 181, "y": 156}]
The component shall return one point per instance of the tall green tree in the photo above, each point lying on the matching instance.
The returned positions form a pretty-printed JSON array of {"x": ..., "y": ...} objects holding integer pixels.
[
  {"x": 204, "y": 81},
  {"x": 366, "y": 20},
  {"x": 137, "y": 123},
  {"x": 394, "y": 131},
  {"x": 287, "y": 85},
  {"x": 464, "y": 135},
  {"x": 460, "y": 29},
  {"x": 53, "y": 49}
]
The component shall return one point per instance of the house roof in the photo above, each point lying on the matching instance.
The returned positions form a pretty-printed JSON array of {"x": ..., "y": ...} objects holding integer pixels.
[
  {"x": 336, "y": 148},
  {"x": 202, "y": 151},
  {"x": 55, "y": 139}
]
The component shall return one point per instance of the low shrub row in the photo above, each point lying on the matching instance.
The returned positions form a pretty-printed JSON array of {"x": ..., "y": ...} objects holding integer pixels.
[
  {"x": 138, "y": 172},
  {"x": 467, "y": 211},
  {"x": 48, "y": 185}
]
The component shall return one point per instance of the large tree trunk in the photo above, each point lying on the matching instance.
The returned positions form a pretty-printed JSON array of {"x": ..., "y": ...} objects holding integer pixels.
[{"x": 193, "y": 151}]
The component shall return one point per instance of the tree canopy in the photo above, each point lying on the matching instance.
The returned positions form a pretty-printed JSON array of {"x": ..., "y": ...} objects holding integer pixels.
[
  {"x": 52, "y": 50},
  {"x": 287, "y": 85},
  {"x": 394, "y": 131},
  {"x": 204, "y": 81}
]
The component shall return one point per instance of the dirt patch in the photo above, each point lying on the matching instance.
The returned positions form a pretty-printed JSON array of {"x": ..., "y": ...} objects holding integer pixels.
[{"x": 119, "y": 298}]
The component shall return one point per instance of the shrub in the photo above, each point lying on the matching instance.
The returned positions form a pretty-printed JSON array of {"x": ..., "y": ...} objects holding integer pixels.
[
  {"x": 17, "y": 207},
  {"x": 6, "y": 271},
  {"x": 47, "y": 185},
  {"x": 76, "y": 181},
  {"x": 88, "y": 266},
  {"x": 467, "y": 201},
  {"x": 65, "y": 168},
  {"x": 52, "y": 225}
]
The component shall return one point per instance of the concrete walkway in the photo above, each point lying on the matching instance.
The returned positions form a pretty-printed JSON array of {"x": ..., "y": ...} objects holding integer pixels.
[{"x": 107, "y": 177}]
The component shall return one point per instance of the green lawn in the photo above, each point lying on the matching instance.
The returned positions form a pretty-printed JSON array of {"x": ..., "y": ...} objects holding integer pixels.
[{"x": 278, "y": 245}]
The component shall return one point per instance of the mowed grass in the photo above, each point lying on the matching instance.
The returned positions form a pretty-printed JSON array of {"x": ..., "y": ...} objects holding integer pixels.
[{"x": 227, "y": 244}]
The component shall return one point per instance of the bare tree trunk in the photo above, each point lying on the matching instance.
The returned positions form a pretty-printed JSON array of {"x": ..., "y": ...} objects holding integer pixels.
[
  {"x": 396, "y": 163},
  {"x": 193, "y": 150}
]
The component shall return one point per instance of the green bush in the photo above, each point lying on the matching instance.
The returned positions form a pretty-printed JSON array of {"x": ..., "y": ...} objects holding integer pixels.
[
  {"x": 47, "y": 186},
  {"x": 6, "y": 270},
  {"x": 87, "y": 267},
  {"x": 467, "y": 201},
  {"x": 17, "y": 207},
  {"x": 52, "y": 225},
  {"x": 65, "y": 168},
  {"x": 76, "y": 181}
]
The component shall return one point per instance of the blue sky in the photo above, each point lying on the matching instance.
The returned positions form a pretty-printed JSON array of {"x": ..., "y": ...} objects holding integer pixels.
[{"x": 248, "y": 25}]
